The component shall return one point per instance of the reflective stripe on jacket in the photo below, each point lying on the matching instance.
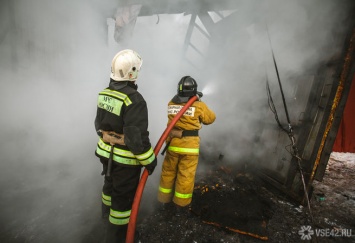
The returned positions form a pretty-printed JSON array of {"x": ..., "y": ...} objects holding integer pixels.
[
  {"x": 198, "y": 113},
  {"x": 119, "y": 155}
]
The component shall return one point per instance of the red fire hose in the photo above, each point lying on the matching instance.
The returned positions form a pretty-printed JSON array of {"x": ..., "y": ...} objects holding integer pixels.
[{"x": 137, "y": 198}]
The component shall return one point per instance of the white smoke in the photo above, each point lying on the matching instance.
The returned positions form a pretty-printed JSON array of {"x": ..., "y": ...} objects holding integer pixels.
[{"x": 55, "y": 57}]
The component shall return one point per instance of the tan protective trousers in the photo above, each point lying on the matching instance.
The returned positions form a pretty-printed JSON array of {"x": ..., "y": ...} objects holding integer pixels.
[{"x": 177, "y": 178}]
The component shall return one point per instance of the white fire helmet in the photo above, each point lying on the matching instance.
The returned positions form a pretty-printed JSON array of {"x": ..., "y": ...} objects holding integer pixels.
[{"x": 126, "y": 65}]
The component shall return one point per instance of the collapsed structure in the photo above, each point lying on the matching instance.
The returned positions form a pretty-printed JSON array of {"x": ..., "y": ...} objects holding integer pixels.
[
  {"x": 315, "y": 108},
  {"x": 298, "y": 148}
]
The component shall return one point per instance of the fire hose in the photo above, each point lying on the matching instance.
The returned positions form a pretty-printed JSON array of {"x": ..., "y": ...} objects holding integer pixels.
[{"x": 137, "y": 198}]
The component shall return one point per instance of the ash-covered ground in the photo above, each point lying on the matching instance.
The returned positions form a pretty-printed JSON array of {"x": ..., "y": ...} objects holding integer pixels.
[{"x": 233, "y": 205}]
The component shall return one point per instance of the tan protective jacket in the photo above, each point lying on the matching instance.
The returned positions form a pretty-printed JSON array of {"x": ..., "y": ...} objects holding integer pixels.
[{"x": 196, "y": 115}]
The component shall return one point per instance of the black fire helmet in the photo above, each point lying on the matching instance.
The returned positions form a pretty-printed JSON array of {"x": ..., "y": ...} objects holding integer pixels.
[{"x": 187, "y": 87}]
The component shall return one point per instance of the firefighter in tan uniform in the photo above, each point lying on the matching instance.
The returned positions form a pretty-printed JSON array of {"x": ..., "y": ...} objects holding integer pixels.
[{"x": 180, "y": 163}]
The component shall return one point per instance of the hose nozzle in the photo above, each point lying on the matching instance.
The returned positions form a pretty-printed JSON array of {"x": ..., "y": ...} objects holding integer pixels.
[{"x": 199, "y": 94}]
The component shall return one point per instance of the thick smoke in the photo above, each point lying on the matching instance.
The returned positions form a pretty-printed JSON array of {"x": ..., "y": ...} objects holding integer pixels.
[{"x": 55, "y": 57}]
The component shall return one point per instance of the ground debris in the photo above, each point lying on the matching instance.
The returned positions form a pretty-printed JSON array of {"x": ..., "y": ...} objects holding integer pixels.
[{"x": 233, "y": 205}]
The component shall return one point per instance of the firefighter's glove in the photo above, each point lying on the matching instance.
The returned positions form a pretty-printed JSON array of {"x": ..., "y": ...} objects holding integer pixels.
[
  {"x": 112, "y": 138},
  {"x": 104, "y": 169},
  {"x": 150, "y": 167}
]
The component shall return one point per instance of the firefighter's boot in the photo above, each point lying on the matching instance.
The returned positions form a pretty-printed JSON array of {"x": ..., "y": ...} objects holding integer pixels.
[
  {"x": 182, "y": 211},
  {"x": 116, "y": 233},
  {"x": 165, "y": 207}
]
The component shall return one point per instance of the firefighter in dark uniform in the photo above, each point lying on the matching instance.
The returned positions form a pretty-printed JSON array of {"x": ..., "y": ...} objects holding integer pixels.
[
  {"x": 122, "y": 125},
  {"x": 183, "y": 143}
]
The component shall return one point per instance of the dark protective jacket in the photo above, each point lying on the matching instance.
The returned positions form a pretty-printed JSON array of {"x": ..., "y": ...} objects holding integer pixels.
[{"x": 122, "y": 109}]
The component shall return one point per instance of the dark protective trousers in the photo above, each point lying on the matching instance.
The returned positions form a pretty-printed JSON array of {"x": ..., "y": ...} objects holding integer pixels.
[{"x": 118, "y": 193}]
